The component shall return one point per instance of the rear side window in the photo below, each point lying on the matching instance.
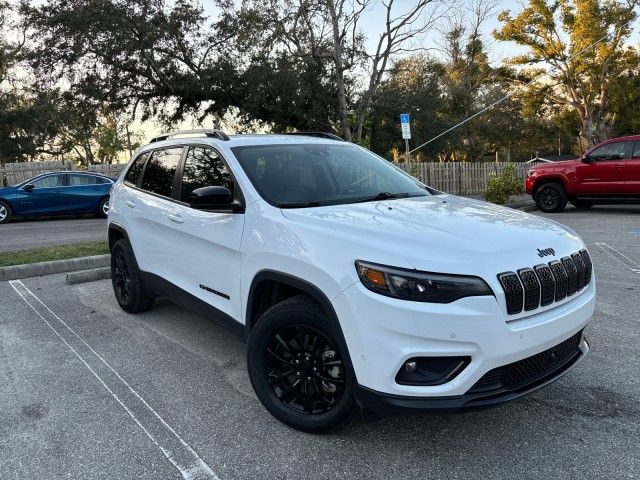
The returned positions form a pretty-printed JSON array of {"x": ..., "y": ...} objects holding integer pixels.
[
  {"x": 135, "y": 169},
  {"x": 82, "y": 180},
  {"x": 636, "y": 151},
  {"x": 161, "y": 170},
  {"x": 204, "y": 168},
  {"x": 101, "y": 180}
]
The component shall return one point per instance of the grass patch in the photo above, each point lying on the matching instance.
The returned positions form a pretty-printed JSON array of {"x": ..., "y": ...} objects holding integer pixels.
[{"x": 46, "y": 254}]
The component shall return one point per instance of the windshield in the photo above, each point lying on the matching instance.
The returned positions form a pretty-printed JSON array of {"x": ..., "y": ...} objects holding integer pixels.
[{"x": 295, "y": 176}]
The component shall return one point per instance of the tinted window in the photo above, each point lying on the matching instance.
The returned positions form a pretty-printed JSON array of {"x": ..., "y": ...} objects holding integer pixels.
[
  {"x": 636, "y": 150},
  {"x": 135, "y": 169},
  {"x": 203, "y": 168},
  {"x": 160, "y": 171},
  {"x": 101, "y": 180},
  {"x": 610, "y": 151},
  {"x": 82, "y": 179},
  {"x": 326, "y": 174},
  {"x": 48, "y": 182}
]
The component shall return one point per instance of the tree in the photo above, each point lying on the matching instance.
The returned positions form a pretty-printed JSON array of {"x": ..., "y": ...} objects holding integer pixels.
[
  {"x": 330, "y": 33},
  {"x": 580, "y": 45}
]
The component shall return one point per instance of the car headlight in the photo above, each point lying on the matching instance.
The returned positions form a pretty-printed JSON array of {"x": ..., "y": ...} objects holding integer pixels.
[{"x": 419, "y": 286}]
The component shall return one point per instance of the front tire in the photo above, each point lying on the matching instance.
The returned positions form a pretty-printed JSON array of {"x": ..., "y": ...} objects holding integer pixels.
[
  {"x": 126, "y": 280},
  {"x": 5, "y": 212},
  {"x": 551, "y": 197},
  {"x": 297, "y": 368}
]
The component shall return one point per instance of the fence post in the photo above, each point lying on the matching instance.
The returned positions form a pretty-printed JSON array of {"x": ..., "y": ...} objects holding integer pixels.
[{"x": 459, "y": 178}]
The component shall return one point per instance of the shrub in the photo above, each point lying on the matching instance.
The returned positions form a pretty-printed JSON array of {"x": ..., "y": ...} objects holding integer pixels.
[{"x": 502, "y": 186}]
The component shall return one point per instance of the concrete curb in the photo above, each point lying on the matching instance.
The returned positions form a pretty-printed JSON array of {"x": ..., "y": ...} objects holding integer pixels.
[
  {"x": 92, "y": 275},
  {"x": 56, "y": 266}
]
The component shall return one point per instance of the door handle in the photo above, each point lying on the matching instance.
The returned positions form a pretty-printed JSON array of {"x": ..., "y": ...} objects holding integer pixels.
[
  {"x": 175, "y": 218},
  {"x": 619, "y": 165},
  {"x": 130, "y": 204}
]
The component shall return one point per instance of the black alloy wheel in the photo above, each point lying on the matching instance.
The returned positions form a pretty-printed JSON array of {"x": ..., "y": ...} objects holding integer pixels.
[
  {"x": 551, "y": 197},
  {"x": 305, "y": 370},
  {"x": 121, "y": 277},
  {"x": 126, "y": 278},
  {"x": 300, "y": 368}
]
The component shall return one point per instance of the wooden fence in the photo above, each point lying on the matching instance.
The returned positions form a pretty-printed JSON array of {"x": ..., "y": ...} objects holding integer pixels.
[
  {"x": 462, "y": 178},
  {"x": 14, "y": 173}
]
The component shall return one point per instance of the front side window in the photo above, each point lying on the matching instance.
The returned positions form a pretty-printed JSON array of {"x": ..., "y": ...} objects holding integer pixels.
[
  {"x": 50, "y": 181},
  {"x": 161, "y": 170},
  {"x": 204, "y": 168},
  {"x": 610, "y": 151},
  {"x": 133, "y": 174},
  {"x": 323, "y": 174}
]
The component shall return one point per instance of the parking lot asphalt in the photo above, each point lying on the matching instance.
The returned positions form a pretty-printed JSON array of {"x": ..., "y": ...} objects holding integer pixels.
[
  {"x": 87, "y": 391},
  {"x": 26, "y": 234}
]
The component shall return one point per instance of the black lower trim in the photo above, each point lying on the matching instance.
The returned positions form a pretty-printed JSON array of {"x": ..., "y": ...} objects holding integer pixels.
[
  {"x": 163, "y": 288},
  {"x": 385, "y": 404}
]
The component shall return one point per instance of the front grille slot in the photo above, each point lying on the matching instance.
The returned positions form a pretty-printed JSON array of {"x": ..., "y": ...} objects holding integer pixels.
[
  {"x": 582, "y": 270},
  {"x": 560, "y": 277},
  {"x": 572, "y": 275},
  {"x": 547, "y": 284},
  {"x": 523, "y": 373},
  {"x": 531, "y": 288},
  {"x": 541, "y": 285},
  {"x": 586, "y": 259},
  {"x": 514, "y": 293}
]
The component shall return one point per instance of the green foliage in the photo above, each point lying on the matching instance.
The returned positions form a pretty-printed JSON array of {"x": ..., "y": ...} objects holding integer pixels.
[{"x": 501, "y": 187}]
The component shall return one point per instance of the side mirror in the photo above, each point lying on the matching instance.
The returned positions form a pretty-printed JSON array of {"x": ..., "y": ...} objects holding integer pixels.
[
  {"x": 28, "y": 188},
  {"x": 585, "y": 158},
  {"x": 212, "y": 198}
]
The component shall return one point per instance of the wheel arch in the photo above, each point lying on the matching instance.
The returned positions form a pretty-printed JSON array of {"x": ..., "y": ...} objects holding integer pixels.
[
  {"x": 265, "y": 279},
  {"x": 116, "y": 232},
  {"x": 558, "y": 179}
]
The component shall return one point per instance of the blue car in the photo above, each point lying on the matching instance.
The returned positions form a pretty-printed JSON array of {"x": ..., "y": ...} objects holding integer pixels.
[{"x": 60, "y": 193}]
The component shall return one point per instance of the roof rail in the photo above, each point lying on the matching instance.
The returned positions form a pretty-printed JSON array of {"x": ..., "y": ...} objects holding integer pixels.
[
  {"x": 209, "y": 132},
  {"x": 328, "y": 135}
]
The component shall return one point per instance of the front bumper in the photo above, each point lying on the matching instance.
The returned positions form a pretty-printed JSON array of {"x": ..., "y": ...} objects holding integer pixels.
[
  {"x": 379, "y": 403},
  {"x": 383, "y": 333}
]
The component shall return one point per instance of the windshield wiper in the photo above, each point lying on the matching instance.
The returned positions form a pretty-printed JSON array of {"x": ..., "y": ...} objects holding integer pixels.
[
  {"x": 298, "y": 204},
  {"x": 384, "y": 196}
]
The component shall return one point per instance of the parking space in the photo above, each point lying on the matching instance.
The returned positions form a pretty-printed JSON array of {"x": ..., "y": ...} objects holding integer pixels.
[{"x": 88, "y": 391}]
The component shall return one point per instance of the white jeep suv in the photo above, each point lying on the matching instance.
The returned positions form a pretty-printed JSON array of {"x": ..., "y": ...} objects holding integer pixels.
[{"x": 352, "y": 283}]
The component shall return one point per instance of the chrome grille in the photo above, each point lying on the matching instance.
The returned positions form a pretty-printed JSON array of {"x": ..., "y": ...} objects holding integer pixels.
[{"x": 541, "y": 285}]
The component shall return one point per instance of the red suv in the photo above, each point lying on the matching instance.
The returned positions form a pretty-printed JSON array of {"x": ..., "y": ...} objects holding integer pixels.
[{"x": 608, "y": 173}]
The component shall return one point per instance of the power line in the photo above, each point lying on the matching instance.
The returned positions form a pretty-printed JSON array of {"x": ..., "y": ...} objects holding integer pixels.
[{"x": 509, "y": 95}]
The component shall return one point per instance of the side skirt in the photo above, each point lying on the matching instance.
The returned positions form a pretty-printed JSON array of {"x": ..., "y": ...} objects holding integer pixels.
[{"x": 163, "y": 288}]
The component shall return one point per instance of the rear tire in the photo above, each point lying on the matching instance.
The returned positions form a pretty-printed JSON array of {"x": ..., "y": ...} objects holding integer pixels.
[
  {"x": 581, "y": 204},
  {"x": 5, "y": 212},
  {"x": 297, "y": 368},
  {"x": 126, "y": 280},
  {"x": 103, "y": 208},
  {"x": 551, "y": 197}
]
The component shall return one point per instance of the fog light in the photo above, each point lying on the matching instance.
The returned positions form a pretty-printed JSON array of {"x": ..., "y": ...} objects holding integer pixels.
[
  {"x": 411, "y": 366},
  {"x": 431, "y": 370}
]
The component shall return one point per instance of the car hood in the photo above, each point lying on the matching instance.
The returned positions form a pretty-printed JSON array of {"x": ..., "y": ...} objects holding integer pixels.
[
  {"x": 557, "y": 165},
  {"x": 444, "y": 232}
]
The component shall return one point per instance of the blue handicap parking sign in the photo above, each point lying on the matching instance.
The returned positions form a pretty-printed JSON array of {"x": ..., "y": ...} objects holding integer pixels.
[{"x": 404, "y": 118}]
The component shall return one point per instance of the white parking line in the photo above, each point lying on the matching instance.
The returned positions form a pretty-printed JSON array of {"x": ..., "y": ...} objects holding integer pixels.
[
  {"x": 178, "y": 452},
  {"x": 622, "y": 258}
]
